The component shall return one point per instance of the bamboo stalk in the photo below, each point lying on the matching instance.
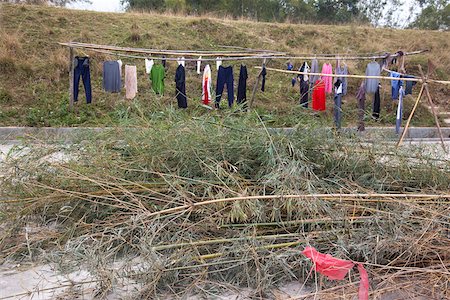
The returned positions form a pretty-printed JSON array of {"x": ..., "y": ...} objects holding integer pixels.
[
  {"x": 287, "y": 223},
  {"x": 430, "y": 101},
  {"x": 355, "y": 76},
  {"x": 336, "y": 197},
  {"x": 410, "y": 116}
]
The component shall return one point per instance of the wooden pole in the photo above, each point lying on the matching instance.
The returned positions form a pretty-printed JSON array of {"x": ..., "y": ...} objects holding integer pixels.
[
  {"x": 71, "y": 78},
  {"x": 430, "y": 101},
  {"x": 410, "y": 116},
  {"x": 255, "y": 87},
  {"x": 355, "y": 76}
]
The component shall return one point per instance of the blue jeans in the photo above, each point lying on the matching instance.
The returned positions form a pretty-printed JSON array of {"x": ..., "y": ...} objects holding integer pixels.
[
  {"x": 225, "y": 76},
  {"x": 81, "y": 69}
]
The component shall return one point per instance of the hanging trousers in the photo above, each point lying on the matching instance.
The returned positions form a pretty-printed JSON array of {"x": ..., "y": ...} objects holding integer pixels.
[
  {"x": 180, "y": 81},
  {"x": 242, "y": 85},
  {"x": 225, "y": 76},
  {"x": 376, "y": 104},
  {"x": 337, "y": 110},
  {"x": 304, "y": 89},
  {"x": 81, "y": 69}
]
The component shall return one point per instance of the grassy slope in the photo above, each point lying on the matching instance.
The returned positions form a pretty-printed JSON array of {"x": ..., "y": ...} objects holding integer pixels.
[{"x": 34, "y": 79}]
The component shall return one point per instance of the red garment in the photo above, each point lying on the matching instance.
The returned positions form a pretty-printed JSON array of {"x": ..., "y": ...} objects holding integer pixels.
[
  {"x": 318, "y": 95},
  {"x": 337, "y": 269},
  {"x": 206, "y": 95}
]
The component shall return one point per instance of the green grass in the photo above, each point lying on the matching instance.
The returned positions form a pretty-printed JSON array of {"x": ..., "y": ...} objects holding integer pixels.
[{"x": 34, "y": 83}]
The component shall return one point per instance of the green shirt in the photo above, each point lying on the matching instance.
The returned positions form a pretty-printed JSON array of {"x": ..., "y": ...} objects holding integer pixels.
[{"x": 157, "y": 75}]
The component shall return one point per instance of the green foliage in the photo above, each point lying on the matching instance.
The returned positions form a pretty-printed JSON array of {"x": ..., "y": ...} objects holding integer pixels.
[{"x": 435, "y": 15}]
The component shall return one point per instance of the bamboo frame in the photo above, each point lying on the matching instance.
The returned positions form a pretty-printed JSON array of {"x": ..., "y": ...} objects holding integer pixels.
[{"x": 356, "y": 76}]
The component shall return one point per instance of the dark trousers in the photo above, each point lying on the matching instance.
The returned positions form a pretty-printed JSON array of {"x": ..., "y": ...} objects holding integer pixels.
[
  {"x": 376, "y": 104},
  {"x": 180, "y": 82},
  {"x": 225, "y": 76},
  {"x": 81, "y": 69},
  {"x": 304, "y": 89},
  {"x": 337, "y": 110},
  {"x": 361, "y": 112},
  {"x": 242, "y": 85}
]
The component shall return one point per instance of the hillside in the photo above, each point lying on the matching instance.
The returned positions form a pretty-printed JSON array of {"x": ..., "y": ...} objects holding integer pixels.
[{"x": 33, "y": 67}]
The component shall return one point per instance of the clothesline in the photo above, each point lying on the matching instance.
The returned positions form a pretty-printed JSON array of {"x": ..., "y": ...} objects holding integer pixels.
[
  {"x": 356, "y": 76},
  {"x": 260, "y": 54}
]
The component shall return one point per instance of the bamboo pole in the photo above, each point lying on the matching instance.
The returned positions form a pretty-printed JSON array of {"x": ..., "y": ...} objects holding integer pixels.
[
  {"x": 430, "y": 101},
  {"x": 71, "y": 78},
  {"x": 255, "y": 87},
  {"x": 356, "y": 76},
  {"x": 410, "y": 116},
  {"x": 335, "y": 197}
]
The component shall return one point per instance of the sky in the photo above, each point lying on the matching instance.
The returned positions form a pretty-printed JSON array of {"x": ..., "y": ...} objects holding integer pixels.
[{"x": 99, "y": 5}]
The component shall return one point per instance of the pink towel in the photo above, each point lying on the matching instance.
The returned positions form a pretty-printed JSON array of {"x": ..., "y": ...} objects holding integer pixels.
[
  {"x": 130, "y": 81},
  {"x": 328, "y": 80}
]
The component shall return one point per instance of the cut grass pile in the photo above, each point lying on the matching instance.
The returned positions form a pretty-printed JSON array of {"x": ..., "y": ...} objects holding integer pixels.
[
  {"x": 34, "y": 68},
  {"x": 137, "y": 207}
]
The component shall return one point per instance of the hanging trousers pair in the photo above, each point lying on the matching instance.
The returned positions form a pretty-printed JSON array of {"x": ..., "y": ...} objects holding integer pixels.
[
  {"x": 225, "y": 76},
  {"x": 180, "y": 81},
  {"x": 81, "y": 69},
  {"x": 242, "y": 86},
  {"x": 376, "y": 104}
]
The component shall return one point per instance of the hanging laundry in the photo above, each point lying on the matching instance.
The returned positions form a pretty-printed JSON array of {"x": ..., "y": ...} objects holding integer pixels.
[
  {"x": 163, "y": 61},
  {"x": 206, "y": 85},
  {"x": 111, "y": 76},
  {"x": 373, "y": 69},
  {"x": 180, "y": 82},
  {"x": 343, "y": 70},
  {"x": 376, "y": 103},
  {"x": 199, "y": 65},
  {"x": 304, "y": 85},
  {"x": 242, "y": 85},
  {"x": 314, "y": 69},
  {"x": 290, "y": 66},
  {"x": 149, "y": 65},
  {"x": 130, "y": 82},
  {"x": 409, "y": 85},
  {"x": 218, "y": 62},
  {"x": 395, "y": 84},
  {"x": 120, "y": 67},
  {"x": 361, "y": 97},
  {"x": 328, "y": 80},
  {"x": 338, "y": 88},
  {"x": 398, "y": 122},
  {"x": 263, "y": 74},
  {"x": 225, "y": 76},
  {"x": 157, "y": 76},
  {"x": 81, "y": 69},
  {"x": 181, "y": 61},
  {"x": 318, "y": 95}
]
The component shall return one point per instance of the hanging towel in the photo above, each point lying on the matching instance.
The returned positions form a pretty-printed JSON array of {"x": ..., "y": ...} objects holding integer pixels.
[
  {"x": 130, "y": 82},
  {"x": 111, "y": 77},
  {"x": 328, "y": 80},
  {"x": 218, "y": 63},
  {"x": 148, "y": 65},
  {"x": 361, "y": 97},
  {"x": 242, "y": 85},
  {"x": 395, "y": 84},
  {"x": 157, "y": 76},
  {"x": 314, "y": 69},
  {"x": 199, "y": 65},
  {"x": 206, "y": 85},
  {"x": 318, "y": 95},
  {"x": 373, "y": 69},
  {"x": 398, "y": 122},
  {"x": 180, "y": 82}
]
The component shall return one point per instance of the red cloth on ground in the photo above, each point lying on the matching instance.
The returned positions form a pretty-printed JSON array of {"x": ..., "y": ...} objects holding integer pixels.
[
  {"x": 337, "y": 269},
  {"x": 318, "y": 95}
]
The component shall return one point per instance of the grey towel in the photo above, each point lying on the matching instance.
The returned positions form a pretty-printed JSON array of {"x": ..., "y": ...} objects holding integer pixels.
[
  {"x": 314, "y": 69},
  {"x": 373, "y": 69},
  {"x": 111, "y": 76}
]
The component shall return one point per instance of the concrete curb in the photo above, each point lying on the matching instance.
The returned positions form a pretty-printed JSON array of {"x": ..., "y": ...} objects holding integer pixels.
[{"x": 65, "y": 134}]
